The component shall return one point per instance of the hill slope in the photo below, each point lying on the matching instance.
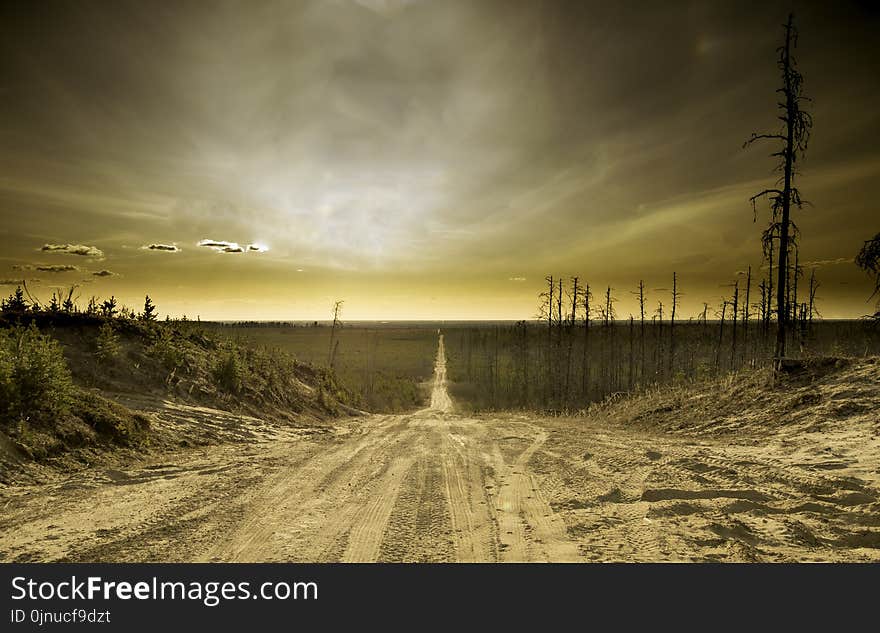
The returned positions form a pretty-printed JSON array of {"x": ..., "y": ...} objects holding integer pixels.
[{"x": 77, "y": 388}]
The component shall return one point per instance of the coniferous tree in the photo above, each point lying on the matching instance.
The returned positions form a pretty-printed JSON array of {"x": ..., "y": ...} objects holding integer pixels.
[
  {"x": 149, "y": 313},
  {"x": 16, "y": 301}
]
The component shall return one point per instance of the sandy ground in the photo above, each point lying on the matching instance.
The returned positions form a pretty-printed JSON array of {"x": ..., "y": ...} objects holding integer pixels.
[{"x": 438, "y": 486}]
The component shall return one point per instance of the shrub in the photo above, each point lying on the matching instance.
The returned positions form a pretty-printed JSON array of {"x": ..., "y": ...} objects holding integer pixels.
[
  {"x": 166, "y": 349},
  {"x": 227, "y": 372},
  {"x": 107, "y": 344},
  {"x": 34, "y": 378}
]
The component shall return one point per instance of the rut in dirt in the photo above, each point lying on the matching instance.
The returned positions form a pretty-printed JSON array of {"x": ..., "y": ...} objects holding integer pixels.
[{"x": 429, "y": 486}]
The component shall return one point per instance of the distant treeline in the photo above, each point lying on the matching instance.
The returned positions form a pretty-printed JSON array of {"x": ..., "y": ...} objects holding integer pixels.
[{"x": 580, "y": 352}]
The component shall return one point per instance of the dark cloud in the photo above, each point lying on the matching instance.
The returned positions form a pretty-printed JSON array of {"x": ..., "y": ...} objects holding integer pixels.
[
  {"x": 222, "y": 246},
  {"x": 104, "y": 273},
  {"x": 73, "y": 249},
  {"x": 168, "y": 248},
  {"x": 61, "y": 268},
  {"x": 11, "y": 282}
]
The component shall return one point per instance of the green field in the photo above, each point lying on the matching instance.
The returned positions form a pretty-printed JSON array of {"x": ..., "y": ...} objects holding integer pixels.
[{"x": 382, "y": 366}]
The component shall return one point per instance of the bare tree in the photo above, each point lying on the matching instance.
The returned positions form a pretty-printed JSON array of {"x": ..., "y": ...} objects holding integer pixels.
[
  {"x": 767, "y": 243},
  {"x": 675, "y": 300},
  {"x": 814, "y": 287},
  {"x": 631, "y": 357},
  {"x": 763, "y": 305},
  {"x": 334, "y": 344},
  {"x": 545, "y": 311},
  {"x": 587, "y": 297},
  {"x": 642, "y": 326},
  {"x": 746, "y": 314},
  {"x": 574, "y": 296},
  {"x": 609, "y": 317},
  {"x": 722, "y": 315},
  {"x": 658, "y": 352},
  {"x": 734, "y": 306},
  {"x": 793, "y": 137}
]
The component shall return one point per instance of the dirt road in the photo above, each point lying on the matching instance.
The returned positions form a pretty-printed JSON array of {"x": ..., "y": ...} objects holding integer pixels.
[{"x": 438, "y": 486}]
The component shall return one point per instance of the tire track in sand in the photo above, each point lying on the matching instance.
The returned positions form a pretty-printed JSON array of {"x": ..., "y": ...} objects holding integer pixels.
[
  {"x": 463, "y": 484},
  {"x": 293, "y": 492},
  {"x": 529, "y": 530},
  {"x": 367, "y": 535}
]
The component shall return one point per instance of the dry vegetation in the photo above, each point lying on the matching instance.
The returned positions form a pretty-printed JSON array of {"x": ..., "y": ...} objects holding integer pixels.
[
  {"x": 75, "y": 384},
  {"x": 566, "y": 365},
  {"x": 383, "y": 368}
]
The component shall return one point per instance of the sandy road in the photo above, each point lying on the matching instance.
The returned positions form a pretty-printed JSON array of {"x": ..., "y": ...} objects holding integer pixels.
[
  {"x": 437, "y": 486},
  {"x": 430, "y": 486}
]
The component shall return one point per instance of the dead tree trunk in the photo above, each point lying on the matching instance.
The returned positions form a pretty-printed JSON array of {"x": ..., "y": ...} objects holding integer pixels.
[
  {"x": 569, "y": 334},
  {"x": 658, "y": 352},
  {"x": 734, "y": 309},
  {"x": 548, "y": 307},
  {"x": 642, "y": 328},
  {"x": 586, "y": 367},
  {"x": 793, "y": 137},
  {"x": 745, "y": 315},
  {"x": 609, "y": 326},
  {"x": 559, "y": 326},
  {"x": 814, "y": 286},
  {"x": 720, "y": 337},
  {"x": 798, "y": 273},
  {"x": 631, "y": 359},
  {"x": 675, "y": 297},
  {"x": 331, "y": 354}
]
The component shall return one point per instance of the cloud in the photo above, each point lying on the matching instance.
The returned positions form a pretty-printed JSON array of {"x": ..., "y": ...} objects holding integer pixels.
[
  {"x": 222, "y": 246},
  {"x": 214, "y": 243},
  {"x": 11, "y": 282},
  {"x": 48, "y": 268},
  {"x": 167, "y": 248},
  {"x": 827, "y": 262},
  {"x": 62, "y": 268},
  {"x": 104, "y": 273},
  {"x": 516, "y": 279},
  {"x": 73, "y": 249}
]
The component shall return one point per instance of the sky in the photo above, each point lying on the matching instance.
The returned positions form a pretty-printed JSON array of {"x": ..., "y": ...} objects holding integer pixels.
[{"x": 423, "y": 159}]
